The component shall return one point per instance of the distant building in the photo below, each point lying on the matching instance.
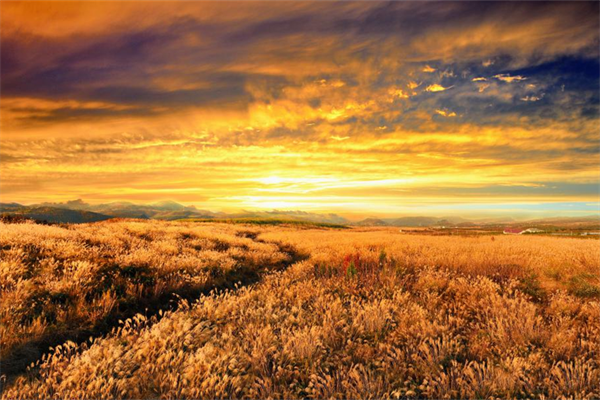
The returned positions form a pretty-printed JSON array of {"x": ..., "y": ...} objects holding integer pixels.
[
  {"x": 521, "y": 231},
  {"x": 512, "y": 231},
  {"x": 533, "y": 230},
  {"x": 590, "y": 233}
]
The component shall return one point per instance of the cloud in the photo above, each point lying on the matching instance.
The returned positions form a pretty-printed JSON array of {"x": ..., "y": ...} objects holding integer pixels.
[
  {"x": 437, "y": 88},
  {"x": 444, "y": 113},
  {"x": 531, "y": 98},
  {"x": 399, "y": 93},
  {"x": 96, "y": 99},
  {"x": 339, "y": 139},
  {"x": 509, "y": 79}
]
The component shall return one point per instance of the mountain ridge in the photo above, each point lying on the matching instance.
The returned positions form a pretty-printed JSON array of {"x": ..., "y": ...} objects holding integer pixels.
[{"x": 78, "y": 211}]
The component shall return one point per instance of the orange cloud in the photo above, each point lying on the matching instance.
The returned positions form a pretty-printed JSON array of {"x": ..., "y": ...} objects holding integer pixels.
[
  {"x": 444, "y": 113},
  {"x": 289, "y": 104},
  {"x": 437, "y": 88}
]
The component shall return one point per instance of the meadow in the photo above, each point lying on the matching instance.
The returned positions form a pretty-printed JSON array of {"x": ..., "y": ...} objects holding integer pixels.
[
  {"x": 296, "y": 312},
  {"x": 68, "y": 282}
]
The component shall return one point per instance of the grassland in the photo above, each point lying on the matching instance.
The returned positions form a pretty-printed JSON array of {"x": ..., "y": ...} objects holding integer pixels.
[
  {"x": 353, "y": 313},
  {"x": 69, "y": 282}
]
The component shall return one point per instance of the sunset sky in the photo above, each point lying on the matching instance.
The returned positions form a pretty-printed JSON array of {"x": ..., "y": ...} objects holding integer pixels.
[{"x": 347, "y": 107}]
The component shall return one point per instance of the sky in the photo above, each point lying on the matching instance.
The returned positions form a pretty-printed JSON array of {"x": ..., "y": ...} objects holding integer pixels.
[{"x": 374, "y": 108}]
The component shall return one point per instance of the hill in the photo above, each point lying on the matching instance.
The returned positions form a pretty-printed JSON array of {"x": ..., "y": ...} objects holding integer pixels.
[
  {"x": 52, "y": 214},
  {"x": 80, "y": 211}
]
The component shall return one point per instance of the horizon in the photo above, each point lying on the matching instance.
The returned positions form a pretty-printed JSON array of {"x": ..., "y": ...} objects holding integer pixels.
[
  {"x": 510, "y": 212},
  {"x": 373, "y": 109}
]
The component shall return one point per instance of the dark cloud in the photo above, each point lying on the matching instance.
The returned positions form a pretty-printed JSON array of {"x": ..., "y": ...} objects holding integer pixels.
[
  {"x": 217, "y": 96},
  {"x": 62, "y": 82},
  {"x": 370, "y": 47},
  {"x": 123, "y": 49},
  {"x": 575, "y": 73},
  {"x": 277, "y": 28},
  {"x": 9, "y": 63},
  {"x": 63, "y": 114},
  {"x": 8, "y": 158}
]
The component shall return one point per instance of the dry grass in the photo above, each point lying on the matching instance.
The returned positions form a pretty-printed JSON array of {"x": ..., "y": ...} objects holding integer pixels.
[
  {"x": 371, "y": 314},
  {"x": 62, "y": 283},
  {"x": 550, "y": 262}
]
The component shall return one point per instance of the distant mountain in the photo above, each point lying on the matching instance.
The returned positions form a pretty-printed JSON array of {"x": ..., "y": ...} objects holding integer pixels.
[
  {"x": 169, "y": 205},
  {"x": 10, "y": 206},
  {"x": 167, "y": 210},
  {"x": 130, "y": 213},
  {"x": 371, "y": 222},
  {"x": 584, "y": 221},
  {"x": 77, "y": 211},
  {"x": 183, "y": 214},
  {"x": 413, "y": 221},
  {"x": 69, "y": 205},
  {"x": 53, "y": 214},
  {"x": 416, "y": 221},
  {"x": 290, "y": 215}
]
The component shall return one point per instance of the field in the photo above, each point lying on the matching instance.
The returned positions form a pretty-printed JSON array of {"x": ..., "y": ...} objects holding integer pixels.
[{"x": 200, "y": 310}]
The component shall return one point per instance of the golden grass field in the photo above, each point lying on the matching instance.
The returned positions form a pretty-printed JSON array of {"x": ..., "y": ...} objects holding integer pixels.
[{"x": 295, "y": 312}]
